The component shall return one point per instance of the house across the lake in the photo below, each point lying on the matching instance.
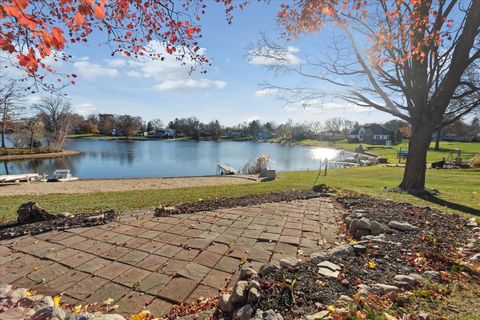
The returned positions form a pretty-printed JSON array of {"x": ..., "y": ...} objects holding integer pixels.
[{"x": 370, "y": 133}]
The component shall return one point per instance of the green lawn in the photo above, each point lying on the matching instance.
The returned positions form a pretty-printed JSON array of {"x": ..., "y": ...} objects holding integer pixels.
[
  {"x": 459, "y": 191},
  {"x": 468, "y": 149}
]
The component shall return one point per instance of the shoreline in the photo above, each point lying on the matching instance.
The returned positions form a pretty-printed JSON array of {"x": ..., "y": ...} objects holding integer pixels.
[
  {"x": 121, "y": 184},
  {"x": 20, "y": 157}
]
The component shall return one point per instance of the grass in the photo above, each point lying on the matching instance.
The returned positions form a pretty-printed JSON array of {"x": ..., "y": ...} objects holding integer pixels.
[
  {"x": 459, "y": 191},
  {"x": 25, "y": 151},
  {"x": 468, "y": 149}
]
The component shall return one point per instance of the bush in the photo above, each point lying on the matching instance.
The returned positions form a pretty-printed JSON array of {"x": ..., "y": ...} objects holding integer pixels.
[{"x": 475, "y": 161}]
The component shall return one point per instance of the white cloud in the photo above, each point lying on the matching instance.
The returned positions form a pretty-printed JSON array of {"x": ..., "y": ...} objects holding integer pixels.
[
  {"x": 84, "y": 109},
  {"x": 253, "y": 118},
  {"x": 266, "y": 92},
  {"x": 274, "y": 56},
  {"x": 115, "y": 63},
  {"x": 189, "y": 84},
  {"x": 91, "y": 71},
  {"x": 316, "y": 106},
  {"x": 134, "y": 74}
]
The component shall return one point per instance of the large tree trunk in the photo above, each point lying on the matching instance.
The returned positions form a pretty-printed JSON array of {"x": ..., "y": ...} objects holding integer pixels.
[
  {"x": 3, "y": 136},
  {"x": 437, "y": 140},
  {"x": 414, "y": 174}
]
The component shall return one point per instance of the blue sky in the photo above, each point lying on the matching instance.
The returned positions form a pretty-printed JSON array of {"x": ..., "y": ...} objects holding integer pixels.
[{"x": 230, "y": 91}]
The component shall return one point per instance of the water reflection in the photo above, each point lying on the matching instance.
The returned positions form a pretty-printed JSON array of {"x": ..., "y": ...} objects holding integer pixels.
[{"x": 130, "y": 159}]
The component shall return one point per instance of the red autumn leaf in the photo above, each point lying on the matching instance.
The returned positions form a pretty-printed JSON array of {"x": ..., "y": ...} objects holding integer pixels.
[
  {"x": 99, "y": 12},
  {"x": 79, "y": 19}
]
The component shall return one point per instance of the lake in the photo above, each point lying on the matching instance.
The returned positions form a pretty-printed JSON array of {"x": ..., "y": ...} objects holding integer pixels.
[{"x": 162, "y": 158}]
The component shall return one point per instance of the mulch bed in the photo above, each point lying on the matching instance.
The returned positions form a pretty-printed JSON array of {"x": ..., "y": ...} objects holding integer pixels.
[
  {"x": 13, "y": 230},
  {"x": 432, "y": 247},
  {"x": 220, "y": 203}
]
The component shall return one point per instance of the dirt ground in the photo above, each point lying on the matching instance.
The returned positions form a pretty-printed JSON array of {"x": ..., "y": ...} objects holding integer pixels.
[{"x": 88, "y": 186}]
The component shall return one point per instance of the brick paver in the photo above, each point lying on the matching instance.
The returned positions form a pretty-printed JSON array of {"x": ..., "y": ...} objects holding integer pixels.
[{"x": 141, "y": 260}]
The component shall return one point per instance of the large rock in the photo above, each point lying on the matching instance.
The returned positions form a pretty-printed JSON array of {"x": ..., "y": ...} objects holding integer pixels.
[
  {"x": 17, "y": 313},
  {"x": 319, "y": 255},
  {"x": 5, "y": 290},
  {"x": 247, "y": 274},
  {"x": 267, "y": 268},
  {"x": 289, "y": 262},
  {"x": 267, "y": 315},
  {"x": 29, "y": 212},
  {"x": 431, "y": 274},
  {"x": 225, "y": 304},
  {"x": 328, "y": 269},
  {"x": 343, "y": 250},
  {"x": 378, "y": 228},
  {"x": 244, "y": 313},
  {"x": 50, "y": 313},
  {"x": 318, "y": 315},
  {"x": 109, "y": 317},
  {"x": 384, "y": 288},
  {"x": 402, "y": 226},
  {"x": 253, "y": 295},
  {"x": 363, "y": 223},
  {"x": 239, "y": 292},
  {"x": 404, "y": 281}
]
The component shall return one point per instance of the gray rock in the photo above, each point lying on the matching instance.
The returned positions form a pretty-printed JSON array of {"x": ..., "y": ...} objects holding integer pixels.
[
  {"x": 402, "y": 226},
  {"x": 50, "y": 313},
  {"x": 343, "y": 300},
  {"x": 109, "y": 317},
  {"x": 289, "y": 262},
  {"x": 253, "y": 295},
  {"x": 385, "y": 288},
  {"x": 359, "y": 233},
  {"x": 328, "y": 269},
  {"x": 435, "y": 275},
  {"x": 475, "y": 258},
  {"x": 472, "y": 222},
  {"x": 356, "y": 224},
  {"x": 342, "y": 250},
  {"x": 417, "y": 277},
  {"x": 404, "y": 281},
  {"x": 244, "y": 313},
  {"x": 239, "y": 292},
  {"x": 268, "y": 315},
  {"x": 359, "y": 248},
  {"x": 267, "y": 268},
  {"x": 253, "y": 284},
  {"x": 247, "y": 274},
  {"x": 378, "y": 228},
  {"x": 225, "y": 304},
  {"x": 5, "y": 290},
  {"x": 44, "y": 302},
  {"x": 17, "y": 313},
  {"x": 18, "y": 294},
  {"x": 81, "y": 316},
  {"x": 329, "y": 265},
  {"x": 318, "y": 315},
  {"x": 319, "y": 255}
]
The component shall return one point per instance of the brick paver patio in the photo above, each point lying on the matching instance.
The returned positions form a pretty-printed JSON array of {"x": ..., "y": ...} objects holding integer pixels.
[{"x": 140, "y": 259}]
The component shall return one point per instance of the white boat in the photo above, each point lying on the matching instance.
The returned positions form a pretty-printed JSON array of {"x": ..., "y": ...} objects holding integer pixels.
[{"x": 62, "y": 175}]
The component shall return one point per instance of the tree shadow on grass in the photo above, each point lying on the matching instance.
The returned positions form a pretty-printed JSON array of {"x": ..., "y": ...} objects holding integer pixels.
[{"x": 449, "y": 204}]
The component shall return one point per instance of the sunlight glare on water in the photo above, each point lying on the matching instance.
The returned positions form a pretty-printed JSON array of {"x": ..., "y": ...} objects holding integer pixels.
[{"x": 324, "y": 153}]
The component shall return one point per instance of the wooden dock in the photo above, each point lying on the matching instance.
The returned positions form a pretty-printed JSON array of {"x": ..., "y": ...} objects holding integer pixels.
[
  {"x": 19, "y": 177},
  {"x": 225, "y": 169}
]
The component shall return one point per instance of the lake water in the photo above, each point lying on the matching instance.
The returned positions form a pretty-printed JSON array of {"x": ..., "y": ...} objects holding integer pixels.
[{"x": 163, "y": 158}]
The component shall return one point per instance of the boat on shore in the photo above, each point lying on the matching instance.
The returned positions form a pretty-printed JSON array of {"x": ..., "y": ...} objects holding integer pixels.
[
  {"x": 28, "y": 177},
  {"x": 62, "y": 175}
]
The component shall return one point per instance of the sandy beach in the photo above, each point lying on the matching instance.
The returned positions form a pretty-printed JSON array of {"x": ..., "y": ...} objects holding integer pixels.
[{"x": 88, "y": 186}]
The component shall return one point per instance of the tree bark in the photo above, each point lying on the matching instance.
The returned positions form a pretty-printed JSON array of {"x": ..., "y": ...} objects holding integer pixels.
[
  {"x": 415, "y": 170},
  {"x": 437, "y": 140},
  {"x": 3, "y": 135}
]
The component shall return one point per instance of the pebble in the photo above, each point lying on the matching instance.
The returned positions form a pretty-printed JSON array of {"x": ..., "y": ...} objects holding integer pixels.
[
  {"x": 267, "y": 315},
  {"x": 17, "y": 313},
  {"x": 253, "y": 284},
  {"x": 343, "y": 300},
  {"x": 472, "y": 222},
  {"x": 5, "y": 290},
  {"x": 417, "y": 277},
  {"x": 359, "y": 248},
  {"x": 328, "y": 269},
  {"x": 247, "y": 274},
  {"x": 239, "y": 292},
  {"x": 81, "y": 316},
  {"x": 109, "y": 317},
  {"x": 402, "y": 226},
  {"x": 18, "y": 294},
  {"x": 244, "y": 313}
]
